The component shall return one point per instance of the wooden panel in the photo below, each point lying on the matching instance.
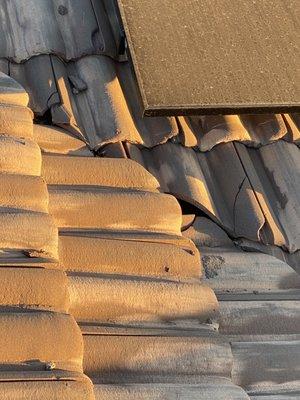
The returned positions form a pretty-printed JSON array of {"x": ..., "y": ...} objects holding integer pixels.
[{"x": 203, "y": 56}]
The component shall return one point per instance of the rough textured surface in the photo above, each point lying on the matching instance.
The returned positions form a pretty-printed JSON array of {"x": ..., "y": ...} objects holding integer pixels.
[
  {"x": 27, "y": 156},
  {"x": 139, "y": 272},
  {"x": 259, "y": 313},
  {"x": 11, "y": 92},
  {"x": 129, "y": 264},
  {"x": 231, "y": 270},
  {"x": 278, "y": 395},
  {"x": 15, "y": 121},
  {"x": 292, "y": 259},
  {"x": 217, "y": 388},
  {"x": 55, "y": 140},
  {"x": 261, "y": 365},
  {"x": 172, "y": 43},
  {"x": 31, "y": 232},
  {"x": 260, "y": 317},
  {"x": 205, "y": 233},
  {"x": 94, "y": 98},
  {"x": 60, "y": 171},
  {"x": 132, "y": 255},
  {"x": 34, "y": 288},
  {"x": 60, "y": 389},
  {"x": 37, "y": 334},
  {"x": 70, "y": 29},
  {"x": 88, "y": 107},
  {"x": 35, "y": 341},
  {"x": 208, "y": 131},
  {"x": 242, "y": 189},
  {"x": 30, "y": 385},
  {"x": 23, "y": 192},
  {"x": 156, "y": 359},
  {"x": 223, "y": 193},
  {"x": 119, "y": 208},
  {"x": 129, "y": 300},
  {"x": 277, "y": 191}
]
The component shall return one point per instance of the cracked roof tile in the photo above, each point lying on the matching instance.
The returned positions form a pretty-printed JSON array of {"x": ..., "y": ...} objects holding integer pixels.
[
  {"x": 214, "y": 181},
  {"x": 94, "y": 98},
  {"x": 241, "y": 188}
]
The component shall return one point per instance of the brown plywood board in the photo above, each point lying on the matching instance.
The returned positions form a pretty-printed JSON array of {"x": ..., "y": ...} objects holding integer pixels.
[{"x": 202, "y": 56}]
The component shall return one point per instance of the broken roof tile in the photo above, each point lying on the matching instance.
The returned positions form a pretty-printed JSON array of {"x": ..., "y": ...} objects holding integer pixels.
[
  {"x": 241, "y": 188},
  {"x": 105, "y": 112},
  {"x": 36, "y": 76},
  {"x": 274, "y": 173},
  {"x": 67, "y": 28},
  {"x": 215, "y": 182},
  {"x": 97, "y": 99},
  {"x": 94, "y": 98}
]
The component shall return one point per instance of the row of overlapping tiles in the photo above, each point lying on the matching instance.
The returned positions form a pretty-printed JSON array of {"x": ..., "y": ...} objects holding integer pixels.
[
  {"x": 220, "y": 182},
  {"x": 76, "y": 81},
  {"x": 259, "y": 307},
  {"x": 130, "y": 274},
  {"x": 69, "y": 31},
  {"x": 100, "y": 85},
  {"x": 258, "y": 288},
  {"x": 72, "y": 92},
  {"x": 133, "y": 279},
  {"x": 97, "y": 98},
  {"x": 41, "y": 344},
  {"x": 251, "y": 193},
  {"x": 109, "y": 207}
]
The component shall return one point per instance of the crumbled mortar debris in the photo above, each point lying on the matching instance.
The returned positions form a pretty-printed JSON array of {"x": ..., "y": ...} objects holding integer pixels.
[{"x": 211, "y": 265}]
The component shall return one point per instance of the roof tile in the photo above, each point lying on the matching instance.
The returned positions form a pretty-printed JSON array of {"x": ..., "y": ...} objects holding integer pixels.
[
  {"x": 214, "y": 388},
  {"x": 241, "y": 188},
  {"x": 215, "y": 182},
  {"x": 95, "y": 98},
  {"x": 207, "y": 132},
  {"x": 68, "y": 28}
]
